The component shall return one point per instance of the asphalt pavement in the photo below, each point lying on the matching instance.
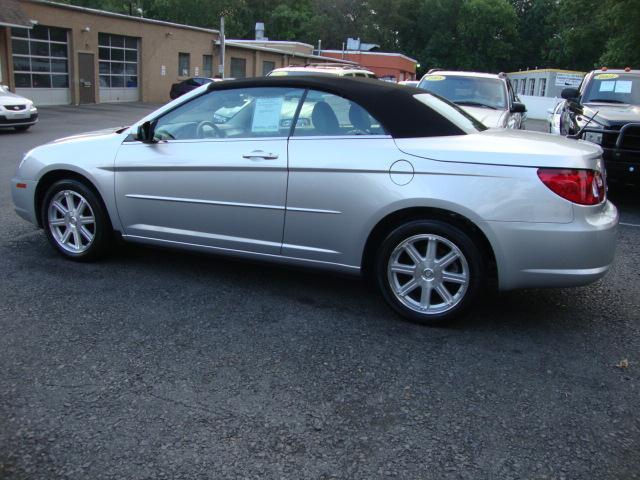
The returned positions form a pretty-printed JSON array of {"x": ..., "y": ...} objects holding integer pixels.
[{"x": 158, "y": 364}]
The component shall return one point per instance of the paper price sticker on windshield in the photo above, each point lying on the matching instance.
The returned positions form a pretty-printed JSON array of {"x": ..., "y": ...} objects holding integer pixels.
[
  {"x": 435, "y": 78},
  {"x": 606, "y": 76},
  {"x": 266, "y": 115},
  {"x": 623, "y": 86}
]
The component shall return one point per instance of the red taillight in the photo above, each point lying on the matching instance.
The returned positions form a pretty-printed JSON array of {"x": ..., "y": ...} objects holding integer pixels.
[{"x": 585, "y": 187}]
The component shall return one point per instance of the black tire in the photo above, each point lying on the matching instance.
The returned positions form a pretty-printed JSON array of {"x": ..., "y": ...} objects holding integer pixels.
[
  {"x": 22, "y": 128},
  {"x": 102, "y": 241},
  {"x": 471, "y": 265}
]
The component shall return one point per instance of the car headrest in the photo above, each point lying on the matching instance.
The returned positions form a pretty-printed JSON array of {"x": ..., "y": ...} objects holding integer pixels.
[
  {"x": 324, "y": 119},
  {"x": 359, "y": 118}
]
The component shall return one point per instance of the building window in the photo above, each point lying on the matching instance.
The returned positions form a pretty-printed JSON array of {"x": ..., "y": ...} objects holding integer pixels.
[
  {"x": 184, "y": 64},
  {"x": 515, "y": 85},
  {"x": 207, "y": 66},
  {"x": 267, "y": 66},
  {"x": 238, "y": 68},
  {"x": 40, "y": 57},
  {"x": 523, "y": 86},
  {"x": 532, "y": 86},
  {"x": 118, "y": 61},
  {"x": 543, "y": 87}
]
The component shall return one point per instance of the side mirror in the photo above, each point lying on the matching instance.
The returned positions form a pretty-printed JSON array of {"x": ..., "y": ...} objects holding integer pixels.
[
  {"x": 570, "y": 93},
  {"x": 145, "y": 133},
  {"x": 518, "y": 107}
]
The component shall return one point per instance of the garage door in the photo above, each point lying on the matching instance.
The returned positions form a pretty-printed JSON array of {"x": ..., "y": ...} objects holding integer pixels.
[
  {"x": 40, "y": 64},
  {"x": 118, "y": 68}
]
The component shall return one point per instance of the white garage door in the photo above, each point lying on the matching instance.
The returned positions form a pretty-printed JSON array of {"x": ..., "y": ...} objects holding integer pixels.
[
  {"x": 40, "y": 64},
  {"x": 118, "y": 68}
]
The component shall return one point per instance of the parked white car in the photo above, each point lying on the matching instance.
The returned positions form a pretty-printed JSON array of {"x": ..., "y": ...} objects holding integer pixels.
[
  {"x": 488, "y": 97},
  {"x": 16, "y": 111},
  {"x": 333, "y": 69}
]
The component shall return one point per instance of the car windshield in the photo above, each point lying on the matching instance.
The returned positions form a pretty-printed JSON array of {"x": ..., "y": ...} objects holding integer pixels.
[
  {"x": 451, "y": 112},
  {"x": 468, "y": 91},
  {"x": 613, "y": 88}
]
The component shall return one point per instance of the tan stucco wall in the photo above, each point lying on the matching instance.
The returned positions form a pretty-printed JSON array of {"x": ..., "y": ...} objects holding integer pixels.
[{"x": 159, "y": 45}]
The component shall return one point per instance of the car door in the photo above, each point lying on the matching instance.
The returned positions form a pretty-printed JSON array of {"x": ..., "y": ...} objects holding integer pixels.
[
  {"x": 216, "y": 174},
  {"x": 340, "y": 160}
]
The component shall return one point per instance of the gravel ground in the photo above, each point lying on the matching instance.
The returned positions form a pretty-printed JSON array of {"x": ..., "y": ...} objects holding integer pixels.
[{"x": 155, "y": 364}]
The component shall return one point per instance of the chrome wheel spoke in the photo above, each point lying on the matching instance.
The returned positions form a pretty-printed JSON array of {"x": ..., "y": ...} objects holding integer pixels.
[
  {"x": 70, "y": 204},
  {"x": 64, "y": 238},
  {"x": 444, "y": 294},
  {"x": 57, "y": 222},
  {"x": 79, "y": 209},
  {"x": 402, "y": 268},
  {"x": 447, "y": 259},
  {"x": 77, "y": 242},
  {"x": 432, "y": 244},
  {"x": 87, "y": 220},
  {"x": 408, "y": 287},
  {"x": 86, "y": 233},
  {"x": 454, "y": 277},
  {"x": 413, "y": 253},
  {"x": 425, "y": 296},
  {"x": 58, "y": 206}
]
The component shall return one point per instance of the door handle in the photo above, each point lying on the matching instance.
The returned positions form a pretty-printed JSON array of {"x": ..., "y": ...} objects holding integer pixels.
[{"x": 260, "y": 154}]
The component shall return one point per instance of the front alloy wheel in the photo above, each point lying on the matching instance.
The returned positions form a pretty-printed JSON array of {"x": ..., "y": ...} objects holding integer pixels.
[
  {"x": 75, "y": 221},
  {"x": 429, "y": 271},
  {"x": 71, "y": 221}
]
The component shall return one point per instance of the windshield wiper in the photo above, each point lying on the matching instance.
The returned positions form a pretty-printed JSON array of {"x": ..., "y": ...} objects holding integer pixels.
[
  {"x": 475, "y": 104},
  {"x": 604, "y": 100}
]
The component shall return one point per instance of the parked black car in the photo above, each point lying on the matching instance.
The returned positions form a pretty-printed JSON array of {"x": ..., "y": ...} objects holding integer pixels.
[
  {"x": 605, "y": 109},
  {"x": 178, "y": 89}
]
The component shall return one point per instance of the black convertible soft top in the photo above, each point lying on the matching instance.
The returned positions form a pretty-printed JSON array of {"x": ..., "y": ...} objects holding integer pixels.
[{"x": 394, "y": 106}]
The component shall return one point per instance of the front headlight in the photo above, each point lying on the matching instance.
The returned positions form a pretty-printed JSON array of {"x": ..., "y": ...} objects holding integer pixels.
[{"x": 593, "y": 137}]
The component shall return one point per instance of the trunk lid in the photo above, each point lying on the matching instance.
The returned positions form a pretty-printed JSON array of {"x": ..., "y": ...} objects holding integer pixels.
[{"x": 506, "y": 147}]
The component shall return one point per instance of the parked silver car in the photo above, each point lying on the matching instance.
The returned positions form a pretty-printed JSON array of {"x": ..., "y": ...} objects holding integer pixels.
[
  {"x": 16, "y": 111},
  {"x": 352, "y": 175},
  {"x": 488, "y": 97}
]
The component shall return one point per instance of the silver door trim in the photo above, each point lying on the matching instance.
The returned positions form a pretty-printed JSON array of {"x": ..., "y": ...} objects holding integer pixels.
[
  {"x": 206, "y": 202},
  {"x": 230, "y": 204}
]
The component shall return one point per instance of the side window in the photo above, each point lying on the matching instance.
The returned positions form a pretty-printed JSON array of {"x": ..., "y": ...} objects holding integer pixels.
[
  {"x": 233, "y": 113},
  {"x": 330, "y": 115}
]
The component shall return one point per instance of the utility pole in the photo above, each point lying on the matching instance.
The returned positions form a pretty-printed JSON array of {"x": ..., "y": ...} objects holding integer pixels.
[{"x": 222, "y": 52}]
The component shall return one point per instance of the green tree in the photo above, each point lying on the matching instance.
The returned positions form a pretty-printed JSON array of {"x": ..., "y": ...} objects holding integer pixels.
[{"x": 487, "y": 35}]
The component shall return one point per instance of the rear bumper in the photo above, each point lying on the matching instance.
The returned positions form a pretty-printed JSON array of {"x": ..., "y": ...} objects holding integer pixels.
[{"x": 556, "y": 255}]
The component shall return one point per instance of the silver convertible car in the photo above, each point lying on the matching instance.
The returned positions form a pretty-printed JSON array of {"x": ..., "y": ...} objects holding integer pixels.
[{"x": 351, "y": 175}]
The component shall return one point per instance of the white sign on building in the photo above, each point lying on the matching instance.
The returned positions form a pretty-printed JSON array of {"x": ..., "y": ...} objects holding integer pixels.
[{"x": 568, "y": 80}]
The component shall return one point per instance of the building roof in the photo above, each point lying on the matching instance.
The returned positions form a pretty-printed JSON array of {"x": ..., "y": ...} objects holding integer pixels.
[
  {"x": 122, "y": 16},
  {"x": 233, "y": 43},
  {"x": 358, "y": 52},
  {"x": 394, "y": 106},
  {"x": 284, "y": 42},
  {"x": 12, "y": 15}
]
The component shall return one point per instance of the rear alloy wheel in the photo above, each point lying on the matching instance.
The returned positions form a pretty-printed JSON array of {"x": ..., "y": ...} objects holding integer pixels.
[
  {"x": 428, "y": 271},
  {"x": 75, "y": 221}
]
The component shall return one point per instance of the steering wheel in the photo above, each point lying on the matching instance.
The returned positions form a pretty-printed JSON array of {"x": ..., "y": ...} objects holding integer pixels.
[{"x": 207, "y": 129}]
